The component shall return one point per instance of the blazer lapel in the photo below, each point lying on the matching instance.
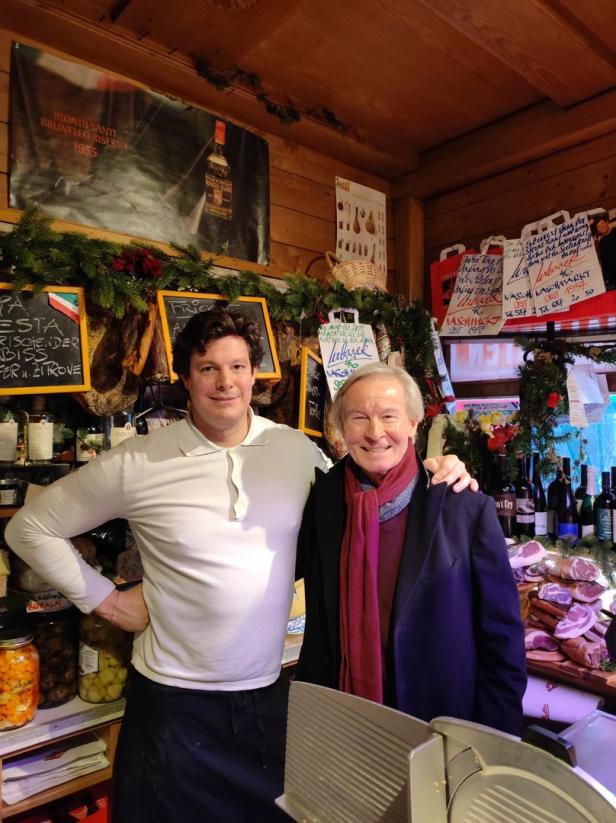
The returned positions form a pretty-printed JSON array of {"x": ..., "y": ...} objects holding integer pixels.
[
  {"x": 331, "y": 521},
  {"x": 424, "y": 511}
]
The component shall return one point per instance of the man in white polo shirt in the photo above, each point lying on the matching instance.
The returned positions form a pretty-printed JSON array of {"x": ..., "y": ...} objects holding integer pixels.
[{"x": 214, "y": 503}]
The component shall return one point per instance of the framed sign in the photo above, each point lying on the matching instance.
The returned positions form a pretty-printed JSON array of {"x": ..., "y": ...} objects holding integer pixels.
[
  {"x": 177, "y": 307},
  {"x": 312, "y": 394},
  {"x": 43, "y": 340}
]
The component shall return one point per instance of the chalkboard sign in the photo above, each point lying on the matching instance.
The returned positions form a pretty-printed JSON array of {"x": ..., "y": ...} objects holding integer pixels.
[
  {"x": 177, "y": 307},
  {"x": 43, "y": 341},
  {"x": 312, "y": 394}
]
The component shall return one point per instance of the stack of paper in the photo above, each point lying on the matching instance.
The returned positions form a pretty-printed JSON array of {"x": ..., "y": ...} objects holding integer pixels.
[{"x": 54, "y": 764}]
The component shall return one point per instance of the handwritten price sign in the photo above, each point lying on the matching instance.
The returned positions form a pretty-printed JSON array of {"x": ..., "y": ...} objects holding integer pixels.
[
  {"x": 344, "y": 348},
  {"x": 476, "y": 305}
]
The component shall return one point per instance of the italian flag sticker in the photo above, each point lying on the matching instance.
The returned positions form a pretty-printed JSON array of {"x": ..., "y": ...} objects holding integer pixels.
[{"x": 65, "y": 302}]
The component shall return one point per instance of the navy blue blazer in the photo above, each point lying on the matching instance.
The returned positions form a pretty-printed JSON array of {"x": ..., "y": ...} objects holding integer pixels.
[{"x": 456, "y": 643}]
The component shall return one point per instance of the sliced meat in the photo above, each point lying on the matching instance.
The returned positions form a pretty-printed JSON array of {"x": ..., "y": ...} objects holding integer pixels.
[
  {"x": 519, "y": 576},
  {"x": 579, "y": 619},
  {"x": 571, "y": 568},
  {"x": 585, "y": 652},
  {"x": 544, "y": 656},
  {"x": 539, "y": 639},
  {"x": 593, "y": 635},
  {"x": 600, "y": 627},
  {"x": 597, "y": 605},
  {"x": 525, "y": 554},
  {"x": 586, "y": 590},
  {"x": 555, "y": 594},
  {"x": 533, "y": 574}
]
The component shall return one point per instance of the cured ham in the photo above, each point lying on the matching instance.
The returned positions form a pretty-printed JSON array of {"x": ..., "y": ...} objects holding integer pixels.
[
  {"x": 556, "y": 594},
  {"x": 585, "y": 652},
  {"x": 525, "y": 554},
  {"x": 578, "y": 620},
  {"x": 539, "y": 639},
  {"x": 571, "y": 568}
]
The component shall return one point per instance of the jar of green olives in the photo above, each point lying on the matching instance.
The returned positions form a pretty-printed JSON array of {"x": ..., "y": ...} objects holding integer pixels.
[{"x": 104, "y": 655}]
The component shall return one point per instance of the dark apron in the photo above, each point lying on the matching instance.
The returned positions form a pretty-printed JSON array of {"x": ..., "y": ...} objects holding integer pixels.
[{"x": 195, "y": 756}]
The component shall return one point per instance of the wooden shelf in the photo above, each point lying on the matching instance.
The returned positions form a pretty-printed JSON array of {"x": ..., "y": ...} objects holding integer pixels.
[
  {"x": 8, "y": 512},
  {"x": 63, "y": 723},
  {"x": 79, "y": 784}
]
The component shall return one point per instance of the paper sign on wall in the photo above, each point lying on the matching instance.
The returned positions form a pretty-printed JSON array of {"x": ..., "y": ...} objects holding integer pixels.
[
  {"x": 517, "y": 293},
  {"x": 588, "y": 394},
  {"x": 562, "y": 264},
  {"x": 476, "y": 305},
  {"x": 344, "y": 348}
]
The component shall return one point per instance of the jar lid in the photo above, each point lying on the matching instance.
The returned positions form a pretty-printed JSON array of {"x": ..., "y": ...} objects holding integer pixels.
[{"x": 14, "y": 637}]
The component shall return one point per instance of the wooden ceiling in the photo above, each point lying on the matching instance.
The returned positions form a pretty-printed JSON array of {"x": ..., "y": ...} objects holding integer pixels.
[{"x": 430, "y": 91}]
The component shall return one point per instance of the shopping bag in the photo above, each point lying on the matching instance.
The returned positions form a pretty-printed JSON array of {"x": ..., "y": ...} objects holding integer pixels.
[
  {"x": 443, "y": 277},
  {"x": 345, "y": 347},
  {"x": 563, "y": 266}
]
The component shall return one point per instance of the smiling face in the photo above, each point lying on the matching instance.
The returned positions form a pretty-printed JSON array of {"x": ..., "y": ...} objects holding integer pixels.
[
  {"x": 376, "y": 426},
  {"x": 220, "y": 386}
]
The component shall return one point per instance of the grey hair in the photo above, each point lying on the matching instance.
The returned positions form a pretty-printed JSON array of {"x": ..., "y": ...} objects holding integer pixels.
[{"x": 414, "y": 400}]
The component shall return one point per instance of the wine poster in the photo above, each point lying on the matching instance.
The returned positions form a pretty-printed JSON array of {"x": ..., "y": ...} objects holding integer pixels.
[
  {"x": 90, "y": 148},
  {"x": 361, "y": 231}
]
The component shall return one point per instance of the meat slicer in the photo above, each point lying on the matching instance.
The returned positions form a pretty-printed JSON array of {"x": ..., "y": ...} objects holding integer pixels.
[{"x": 352, "y": 761}]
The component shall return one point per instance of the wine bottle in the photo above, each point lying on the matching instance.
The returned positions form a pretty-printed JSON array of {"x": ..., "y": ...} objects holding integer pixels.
[
  {"x": 581, "y": 489},
  {"x": 604, "y": 508},
  {"x": 40, "y": 432},
  {"x": 503, "y": 492},
  {"x": 524, "y": 503},
  {"x": 587, "y": 519},
  {"x": 566, "y": 510},
  {"x": 552, "y": 502},
  {"x": 89, "y": 439},
  {"x": 613, "y": 480},
  {"x": 541, "y": 509}
]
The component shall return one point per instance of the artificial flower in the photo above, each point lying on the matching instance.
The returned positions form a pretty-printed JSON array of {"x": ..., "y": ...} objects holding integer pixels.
[{"x": 553, "y": 400}]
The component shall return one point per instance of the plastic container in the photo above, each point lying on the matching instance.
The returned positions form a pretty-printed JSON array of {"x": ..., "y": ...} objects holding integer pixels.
[
  {"x": 55, "y": 637},
  {"x": 19, "y": 678},
  {"x": 104, "y": 655}
]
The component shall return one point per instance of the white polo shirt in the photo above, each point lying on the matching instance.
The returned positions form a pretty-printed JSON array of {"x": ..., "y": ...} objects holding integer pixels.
[{"x": 217, "y": 531}]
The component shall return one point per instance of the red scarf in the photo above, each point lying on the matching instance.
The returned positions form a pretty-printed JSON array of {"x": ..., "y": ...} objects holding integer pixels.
[{"x": 361, "y": 667}]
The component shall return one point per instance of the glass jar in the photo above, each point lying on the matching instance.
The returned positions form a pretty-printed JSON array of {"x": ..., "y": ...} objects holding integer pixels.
[
  {"x": 10, "y": 490},
  {"x": 40, "y": 432},
  {"x": 19, "y": 678},
  {"x": 55, "y": 637},
  {"x": 104, "y": 655},
  {"x": 8, "y": 436}
]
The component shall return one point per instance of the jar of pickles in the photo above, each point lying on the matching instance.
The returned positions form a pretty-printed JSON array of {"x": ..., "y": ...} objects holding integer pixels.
[
  {"x": 104, "y": 655},
  {"x": 19, "y": 678},
  {"x": 55, "y": 637}
]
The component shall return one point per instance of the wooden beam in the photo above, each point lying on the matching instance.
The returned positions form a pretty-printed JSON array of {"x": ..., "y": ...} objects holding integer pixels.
[
  {"x": 533, "y": 133},
  {"x": 409, "y": 245},
  {"x": 564, "y": 66},
  {"x": 149, "y": 64}
]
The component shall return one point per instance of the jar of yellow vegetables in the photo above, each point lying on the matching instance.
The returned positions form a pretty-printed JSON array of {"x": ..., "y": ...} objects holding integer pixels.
[{"x": 19, "y": 679}]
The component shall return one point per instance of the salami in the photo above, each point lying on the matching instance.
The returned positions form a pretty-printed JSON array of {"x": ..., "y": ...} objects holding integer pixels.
[
  {"x": 585, "y": 652},
  {"x": 546, "y": 606},
  {"x": 578, "y": 620},
  {"x": 556, "y": 594}
]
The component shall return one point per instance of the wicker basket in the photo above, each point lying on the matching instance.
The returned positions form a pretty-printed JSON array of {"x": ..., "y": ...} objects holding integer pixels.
[{"x": 355, "y": 274}]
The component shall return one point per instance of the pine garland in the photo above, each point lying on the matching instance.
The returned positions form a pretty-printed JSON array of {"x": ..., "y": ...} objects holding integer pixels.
[{"x": 122, "y": 278}]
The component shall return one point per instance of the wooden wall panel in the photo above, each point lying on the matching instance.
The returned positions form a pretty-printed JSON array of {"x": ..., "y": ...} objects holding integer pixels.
[
  {"x": 302, "y": 194},
  {"x": 576, "y": 179}
]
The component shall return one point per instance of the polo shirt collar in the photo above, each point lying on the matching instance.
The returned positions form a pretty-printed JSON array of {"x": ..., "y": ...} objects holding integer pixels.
[{"x": 192, "y": 442}]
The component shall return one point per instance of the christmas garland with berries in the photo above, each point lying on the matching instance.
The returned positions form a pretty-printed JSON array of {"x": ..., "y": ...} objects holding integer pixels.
[{"x": 121, "y": 279}]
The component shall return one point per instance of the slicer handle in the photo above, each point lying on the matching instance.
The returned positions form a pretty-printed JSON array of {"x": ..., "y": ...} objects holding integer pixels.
[{"x": 550, "y": 742}]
